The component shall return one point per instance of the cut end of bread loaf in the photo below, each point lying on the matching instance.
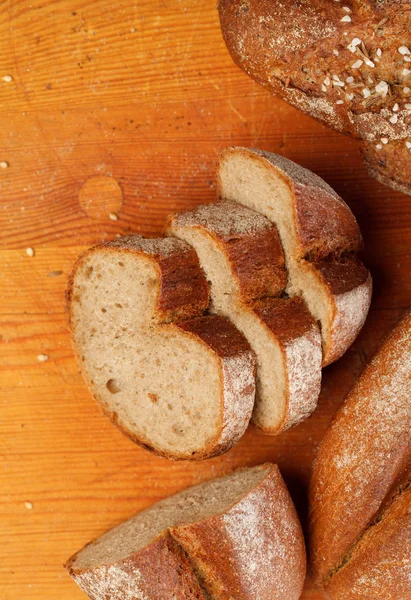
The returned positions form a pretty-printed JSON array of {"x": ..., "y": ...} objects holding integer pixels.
[
  {"x": 181, "y": 389},
  {"x": 237, "y": 535},
  {"x": 316, "y": 228}
]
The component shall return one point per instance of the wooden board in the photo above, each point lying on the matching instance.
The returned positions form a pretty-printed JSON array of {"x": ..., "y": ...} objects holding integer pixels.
[{"x": 122, "y": 108}]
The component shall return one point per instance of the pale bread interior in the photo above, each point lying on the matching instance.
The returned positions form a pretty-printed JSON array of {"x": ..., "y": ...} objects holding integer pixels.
[
  {"x": 249, "y": 182},
  {"x": 163, "y": 384},
  {"x": 271, "y": 382},
  {"x": 189, "y": 506}
]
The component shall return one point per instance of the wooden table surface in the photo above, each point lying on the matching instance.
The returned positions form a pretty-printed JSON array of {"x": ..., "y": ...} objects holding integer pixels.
[{"x": 122, "y": 108}]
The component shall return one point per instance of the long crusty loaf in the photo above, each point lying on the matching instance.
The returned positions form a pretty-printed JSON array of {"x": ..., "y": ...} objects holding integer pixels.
[
  {"x": 348, "y": 64},
  {"x": 176, "y": 382},
  {"x": 242, "y": 257},
  {"x": 233, "y": 538},
  {"x": 360, "y": 495},
  {"x": 319, "y": 235}
]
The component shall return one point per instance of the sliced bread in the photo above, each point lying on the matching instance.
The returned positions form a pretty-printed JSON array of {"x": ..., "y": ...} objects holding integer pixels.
[
  {"x": 178, "y": 383},
  {"x": 233, "y": 538},
  {"x": 319, "y": 235},
  {"x": 360, "y": 494},
  {"x": 242, "y": 257}
]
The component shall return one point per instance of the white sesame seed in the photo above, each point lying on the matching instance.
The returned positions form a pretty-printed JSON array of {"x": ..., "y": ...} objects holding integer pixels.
[
  {"x": 408, "y": 144},
  {"x": 407, "y": 58},
  {"x": 4, "y": 164},
  {"x": 403, "y": 50},
  {"x": 394, "y": 119},
  {"x": 339, "y": 83},
  {"x": 405, "y": 72},
  {"x": 346, "y": 19},
  {"x": 29, "y": 251},
  {"x": 382, "y": 88},
  {"x": 336, "y": 78},
  {"x": 8, "y": 78},
  {"x": 379, "y": 52},
  {"x": 366, "y": 92},
  {"x": 327, "y": 81},
  {"x": 357, "y": 64},
  {"x": 408, "y": 106},
  {"x": 28, "y": 505},
  {"x": 406, "y": 90},
  {"x": 347, "y": 9},
  {"x": 324, "y": 88},
  {"x": 349, "y": 96},
  {"x": 42, "y": 357},
  {"x": 384, "y": 140},
  {"x": 352, "y": 47},
  {"x": 395, "y": 108},
  {"x": 369, "y": 63},
  {"x": 350, "y": 79},
  {"x": 340, "y": 102},
  {"x": 336, "y": 52},
  {"x": 378, "y": 146},
  {"x": 113, "y": 216}
]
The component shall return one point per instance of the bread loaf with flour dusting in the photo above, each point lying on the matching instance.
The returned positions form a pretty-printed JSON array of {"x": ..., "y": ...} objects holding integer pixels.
[{"x": 360, "y": 494}]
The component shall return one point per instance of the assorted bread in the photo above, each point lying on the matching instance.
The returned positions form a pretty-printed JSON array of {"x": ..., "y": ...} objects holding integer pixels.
[
  {"x": 360, "y": 494},
  {"x": 233, "y": 538},
  {"x": 243, "y": 260},
  {"x": 347, "y": 64},
  {"x": 174, "y": 381}
]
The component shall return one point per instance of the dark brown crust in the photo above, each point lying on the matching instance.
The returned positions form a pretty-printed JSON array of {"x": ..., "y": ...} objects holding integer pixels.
[
  {"x": 342, "y": 275},
  {"x": 364, "y": 458},
  {"x": 256, "y": 256},
  {"x": 288, "y": 318},
  {"x": 258, "y": 263},
  {"x": 225, "y": 556},
  {"x": 182, "y": 293},
  {"x": 292, "y": 47},
  {"x": 161, "y": 571},
  {"x": 219, "y": 334}
]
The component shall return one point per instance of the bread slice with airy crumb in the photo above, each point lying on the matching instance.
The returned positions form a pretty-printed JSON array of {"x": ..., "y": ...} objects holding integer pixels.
[
  {"x": 319, "y": 235},
  {"x": 233, "y": 538},
  {"x": 178, "y": 383},
  {"x": 242, "y": 257}
]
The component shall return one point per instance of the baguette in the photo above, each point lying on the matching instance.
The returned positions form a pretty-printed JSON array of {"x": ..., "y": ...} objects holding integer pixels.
[
  {"x": 319, "y": 235},
  {"x": 360, "y": 499},
  {"x": 242, "y": 257},
  {"x": 135, "y": 310},
  {"x": 233, "y": 538},
  {"x": 345, "y": 64}
]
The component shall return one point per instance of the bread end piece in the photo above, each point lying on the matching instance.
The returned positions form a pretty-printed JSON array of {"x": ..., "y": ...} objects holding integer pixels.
[{"x": 234, "y": 537}]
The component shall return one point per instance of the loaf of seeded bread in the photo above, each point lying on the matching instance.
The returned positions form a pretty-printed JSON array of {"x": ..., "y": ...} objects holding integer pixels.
[
  {"x": 178, "y": 383},
  {"x": 348, "y": 64},
  {"x": 360, "y": 494},
  {"x": 233, "y": 538},
  {"x": 243, "y": 260},
  {"x": 319, "y": 235}
]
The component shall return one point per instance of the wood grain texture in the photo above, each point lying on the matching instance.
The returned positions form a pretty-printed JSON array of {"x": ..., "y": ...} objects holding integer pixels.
[{"x": 140, "y": 95}]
